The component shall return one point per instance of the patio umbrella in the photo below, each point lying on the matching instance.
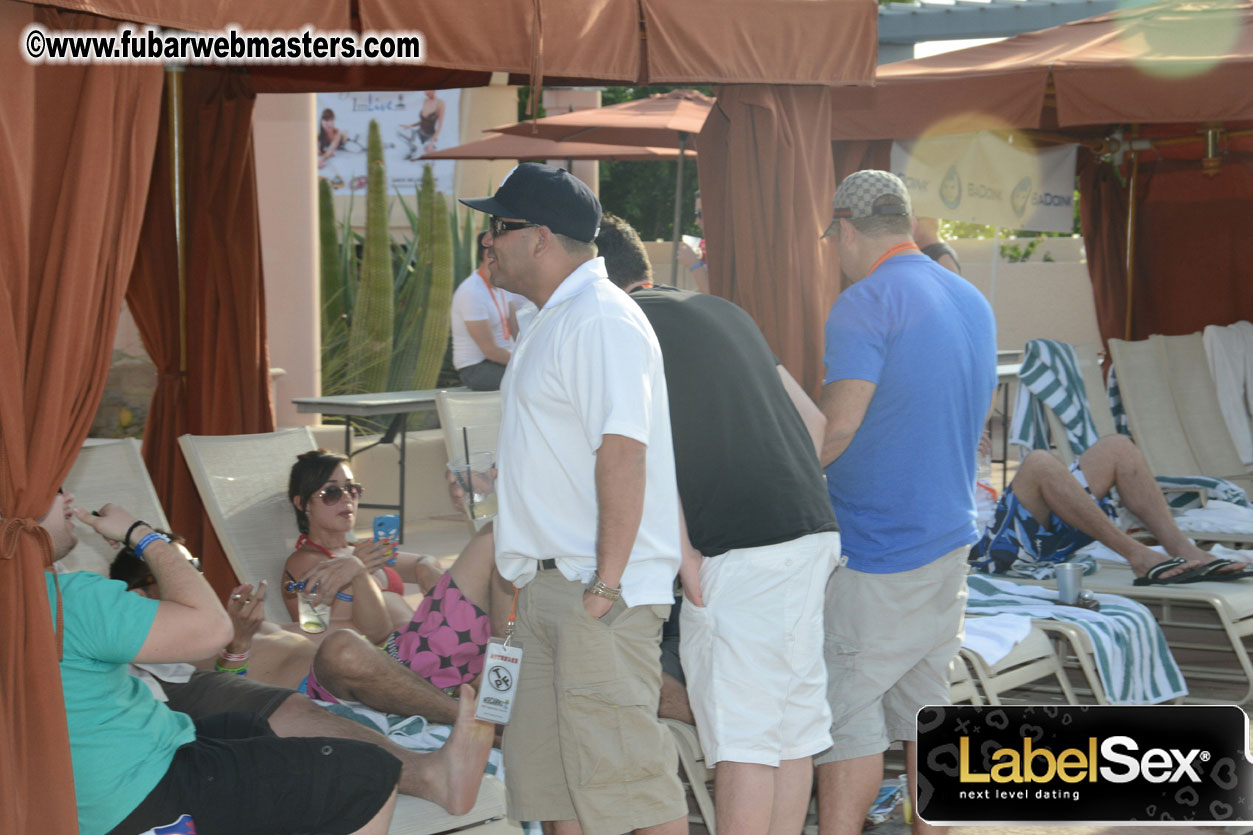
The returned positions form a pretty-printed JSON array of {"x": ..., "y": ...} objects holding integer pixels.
[
  {"x": 664, "y": 120},
  {"x": 507, "y": 146}
]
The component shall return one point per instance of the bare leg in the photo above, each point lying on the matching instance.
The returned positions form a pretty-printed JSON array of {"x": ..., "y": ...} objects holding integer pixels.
[
  {"x": 793, "y": 782},
  {"x": 352, "y": 668},
  {"x": 921, "y": 827},
  {"x": 474, "y": 567},
  {"x": 382, "y": 821},
  {"x": 674, "y": 703},
  {"x": 1115, "y": 461},
  {"x": 744, "y": 798},
  {"x": 846, "y": 791},
  {"x": 1044, "y": 484}
]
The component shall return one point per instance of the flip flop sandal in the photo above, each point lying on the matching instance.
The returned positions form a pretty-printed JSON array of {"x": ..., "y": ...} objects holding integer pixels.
[
  {"x": 1153, "y": 577},
  {"x": 1213, "y": 572}
]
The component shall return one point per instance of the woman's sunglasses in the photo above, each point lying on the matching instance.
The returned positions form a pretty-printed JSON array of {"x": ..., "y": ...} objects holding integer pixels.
[{"x": 333, "y": 494}]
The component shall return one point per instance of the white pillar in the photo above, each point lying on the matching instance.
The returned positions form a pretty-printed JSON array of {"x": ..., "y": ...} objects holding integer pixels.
[{"x": 284, "y": 136}]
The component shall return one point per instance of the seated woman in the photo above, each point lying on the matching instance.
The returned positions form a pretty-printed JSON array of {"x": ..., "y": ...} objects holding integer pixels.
[{"x": 445, "y": 640}]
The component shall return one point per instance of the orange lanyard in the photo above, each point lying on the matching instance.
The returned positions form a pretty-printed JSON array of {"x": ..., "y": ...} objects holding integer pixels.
[
  {"x": 513, "y": 617},
  {"x": 504, "y": 318},
  {"x": 902, "y": 247}
]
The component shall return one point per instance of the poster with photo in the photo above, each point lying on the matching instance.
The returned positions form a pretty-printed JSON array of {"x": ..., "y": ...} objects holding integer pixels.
[{"x": 411, "y": 124}]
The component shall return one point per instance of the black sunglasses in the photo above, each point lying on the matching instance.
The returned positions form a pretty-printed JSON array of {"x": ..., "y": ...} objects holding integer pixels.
[
  {"x": 333, "y": 494},
  {"x": 500, "y": 226}
]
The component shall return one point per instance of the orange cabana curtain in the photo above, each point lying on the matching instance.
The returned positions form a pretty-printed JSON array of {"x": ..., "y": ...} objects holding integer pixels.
[
  {"x": 1192, "y": 245},
  {"x": 75, "y": 156},
  {"x": 226, "y": 390},
  {"x": 766, "y": 182}
]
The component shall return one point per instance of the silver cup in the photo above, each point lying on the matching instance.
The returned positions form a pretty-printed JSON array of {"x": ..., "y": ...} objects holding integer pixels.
[{"x": 1069, "y": 582}]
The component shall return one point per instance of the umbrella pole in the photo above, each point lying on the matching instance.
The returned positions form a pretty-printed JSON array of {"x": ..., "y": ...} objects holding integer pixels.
[
  {"x": 678, "y": 211},
  {"x": 174, "y": 116},
  {"x": 1131, "y": 243}
]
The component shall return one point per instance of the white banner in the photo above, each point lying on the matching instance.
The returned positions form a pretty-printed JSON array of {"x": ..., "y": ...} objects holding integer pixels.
[
  {"x": 983, "y": 178},
  {"x": 411, "y": 125}
]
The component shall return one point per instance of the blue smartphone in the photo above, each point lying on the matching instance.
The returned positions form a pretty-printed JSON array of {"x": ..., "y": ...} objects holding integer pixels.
[{"x": 387, "y": 526}]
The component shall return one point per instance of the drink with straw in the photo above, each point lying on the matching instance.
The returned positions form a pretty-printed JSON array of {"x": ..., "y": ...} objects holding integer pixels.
[{"x": 474, "y": 474}]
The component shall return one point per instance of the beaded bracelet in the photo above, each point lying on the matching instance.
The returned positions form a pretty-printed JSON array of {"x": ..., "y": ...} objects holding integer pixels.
[
  {"x": 148, "y": 540},
  {"x": 231, "y": 656},
  {"x": 126, "y": 540},
  {"x": 239, "y": 671}
]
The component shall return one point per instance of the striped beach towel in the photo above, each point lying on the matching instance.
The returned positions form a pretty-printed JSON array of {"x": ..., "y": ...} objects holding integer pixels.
[
  {"x": 1050, "y": 378},
  {"x": 1134, "y": 662}
]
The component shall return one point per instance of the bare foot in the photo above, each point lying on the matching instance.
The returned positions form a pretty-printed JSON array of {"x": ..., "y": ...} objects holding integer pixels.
[{"x": 462, "y": 759}]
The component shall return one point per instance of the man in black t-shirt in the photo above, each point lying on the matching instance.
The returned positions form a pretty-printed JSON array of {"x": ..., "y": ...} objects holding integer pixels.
[{"x": 762, "y": 540}]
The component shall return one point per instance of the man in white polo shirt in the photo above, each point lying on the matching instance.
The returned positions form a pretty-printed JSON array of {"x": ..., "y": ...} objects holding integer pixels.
[{"x": 588, "y": 524}]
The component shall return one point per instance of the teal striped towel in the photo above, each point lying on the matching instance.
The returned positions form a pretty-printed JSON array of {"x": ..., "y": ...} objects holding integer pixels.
[
  {"x": 1131, "y": 654},
  {"x": 1050, "y": 378}
]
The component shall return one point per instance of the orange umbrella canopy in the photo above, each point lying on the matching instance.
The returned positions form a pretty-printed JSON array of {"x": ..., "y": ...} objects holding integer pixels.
[
  {"x": 508, "y": 146},
  {"x": 656, "y": 121},
  {"x": 1163, "y": 63}
]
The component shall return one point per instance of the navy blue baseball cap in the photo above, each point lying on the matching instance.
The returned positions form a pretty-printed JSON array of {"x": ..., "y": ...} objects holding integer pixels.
[{"x": 545, "y": 196}]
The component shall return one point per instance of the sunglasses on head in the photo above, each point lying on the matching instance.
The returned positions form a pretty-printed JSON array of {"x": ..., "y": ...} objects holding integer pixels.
[
  {"x": 334, "y": 493},
  {"x": 500, "y": 226}
]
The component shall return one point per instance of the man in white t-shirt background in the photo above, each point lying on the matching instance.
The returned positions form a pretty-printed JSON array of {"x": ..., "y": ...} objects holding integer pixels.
[{"x": 484, "y": 327}]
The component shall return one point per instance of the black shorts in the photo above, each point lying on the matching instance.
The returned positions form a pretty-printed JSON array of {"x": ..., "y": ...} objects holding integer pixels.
[
  {"x": 238, "y": 778},
  {"x": 208, "y": 693}
]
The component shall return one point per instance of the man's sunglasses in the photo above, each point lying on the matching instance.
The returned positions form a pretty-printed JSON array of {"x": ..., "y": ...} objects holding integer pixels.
[
  {"x": 333, "y": 494},
  {"x": 500, "y": 226}
]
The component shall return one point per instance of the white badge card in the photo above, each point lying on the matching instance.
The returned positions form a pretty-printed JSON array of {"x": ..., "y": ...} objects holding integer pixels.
[{"x": 500, "y": 683}]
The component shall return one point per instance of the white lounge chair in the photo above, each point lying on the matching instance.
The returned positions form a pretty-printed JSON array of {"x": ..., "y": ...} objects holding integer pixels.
[
  {"x": 110, "y": 471},
  {"x": 1031, "y": 660}
]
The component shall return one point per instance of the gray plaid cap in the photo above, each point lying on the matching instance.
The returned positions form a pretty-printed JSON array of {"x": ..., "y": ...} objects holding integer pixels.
[{"x": 855, "y": 198}]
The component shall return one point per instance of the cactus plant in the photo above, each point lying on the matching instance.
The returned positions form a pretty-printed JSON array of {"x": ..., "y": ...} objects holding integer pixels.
[{"x": 370, "y": 336}]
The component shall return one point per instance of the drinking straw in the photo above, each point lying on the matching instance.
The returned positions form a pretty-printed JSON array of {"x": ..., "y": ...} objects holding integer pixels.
[{"x": 465, "y": 442}]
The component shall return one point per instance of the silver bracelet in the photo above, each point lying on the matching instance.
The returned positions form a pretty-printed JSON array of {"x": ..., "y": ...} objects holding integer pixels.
[{"x": 600, "y": 589}]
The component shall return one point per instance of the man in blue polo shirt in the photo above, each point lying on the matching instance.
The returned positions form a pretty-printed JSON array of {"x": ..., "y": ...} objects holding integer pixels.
[{"x": 910, "y": 374}]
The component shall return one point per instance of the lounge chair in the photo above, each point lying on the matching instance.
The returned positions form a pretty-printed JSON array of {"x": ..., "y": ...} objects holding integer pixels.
[
  {"x": 110, "y": 471},
  {"x": 962, "y": 687},
  {"x": 242, "y": 480},
  {"x": 1205, "y": 625},
  {"x": 475, "y": 412},
  {"x": 1031, "y": 660},
  {"x": 1172, "y": 408},
  {"x": 694, "y": 771}
]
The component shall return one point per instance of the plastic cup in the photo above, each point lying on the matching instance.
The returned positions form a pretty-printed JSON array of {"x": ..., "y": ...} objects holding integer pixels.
[
  {"x": 1069, "y": 582},
  {"x": 476, "y": 478},
  {"x": 313, "y": 619}
]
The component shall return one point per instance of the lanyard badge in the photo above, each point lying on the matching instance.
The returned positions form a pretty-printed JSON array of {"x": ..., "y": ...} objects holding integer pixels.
[{"x": 501, "y": 666}]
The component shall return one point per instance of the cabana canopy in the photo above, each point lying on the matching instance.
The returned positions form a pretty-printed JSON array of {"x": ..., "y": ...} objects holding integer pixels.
[
  {"x": 1161, "y": 100},
  {"x": 1164, "y": 63},
  {"x": 508, "y": 146},
  {"x": 89, "y": 218}
]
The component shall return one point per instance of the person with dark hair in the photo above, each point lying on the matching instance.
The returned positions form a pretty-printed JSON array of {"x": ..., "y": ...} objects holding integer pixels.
[
  {"x": 139, "y": 765},
  {"x": 588, "y": 522},
  {"x": 484, "y": 326},
  {"x": 910, "y": 376},
  {"x": 329, "y": 137},
  {"x": 443, "y": 642},
  {"x": 762, "y": 543},
  {"x": 324, "y": 496},
  {"x": 449, "y": 776}
]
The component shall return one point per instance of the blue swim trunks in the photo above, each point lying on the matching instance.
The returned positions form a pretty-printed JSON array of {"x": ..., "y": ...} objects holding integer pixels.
[{"x": 1016, "y": 542}]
